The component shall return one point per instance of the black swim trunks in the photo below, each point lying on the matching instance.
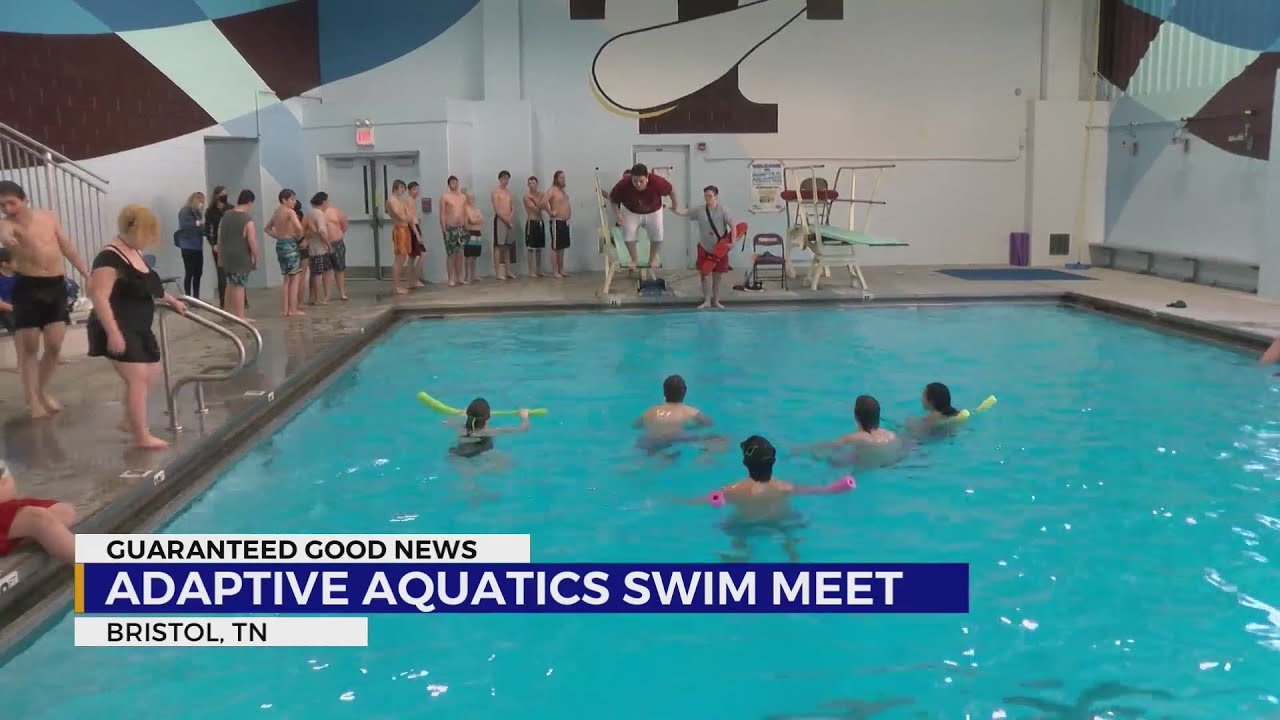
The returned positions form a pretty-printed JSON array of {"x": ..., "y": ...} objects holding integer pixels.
[
  {"x": 535, "y": 237},
  {"x": 40, "y": 301},
  {"x": 474, "y": 246},
  {"x": 559, "y": 235}
]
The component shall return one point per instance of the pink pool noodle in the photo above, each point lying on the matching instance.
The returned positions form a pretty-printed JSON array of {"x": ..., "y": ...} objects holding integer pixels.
[
  {"x": 716, "y": 498},
  {"x": 844, "y": 484}
]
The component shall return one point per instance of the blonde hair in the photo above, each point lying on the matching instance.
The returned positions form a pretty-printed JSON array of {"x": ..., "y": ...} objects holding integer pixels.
[
  {"x": 196, "y": 198},
  {"x": 138, "y": 227}
]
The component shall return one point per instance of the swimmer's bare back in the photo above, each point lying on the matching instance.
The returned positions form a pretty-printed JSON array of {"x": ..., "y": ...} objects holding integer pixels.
[{"x": 756, "y": 501}]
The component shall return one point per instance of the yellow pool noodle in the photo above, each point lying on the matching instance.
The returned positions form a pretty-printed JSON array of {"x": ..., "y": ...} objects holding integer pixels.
[
  {"x": 438, "y": 406},
  {"x": 982, "y": 407}
]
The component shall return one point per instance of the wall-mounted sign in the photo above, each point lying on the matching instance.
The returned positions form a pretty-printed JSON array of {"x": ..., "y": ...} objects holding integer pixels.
[
  {"x": 766, "y": 187},
  {"x": 364, "y": 133}
]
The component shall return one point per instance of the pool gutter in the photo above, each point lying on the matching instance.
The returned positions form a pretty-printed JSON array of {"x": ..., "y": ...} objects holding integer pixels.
[{"x": 38, "y": 601}]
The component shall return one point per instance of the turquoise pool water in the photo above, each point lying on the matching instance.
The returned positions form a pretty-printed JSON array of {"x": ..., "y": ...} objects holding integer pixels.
[{"x": 1120, "y": 509}]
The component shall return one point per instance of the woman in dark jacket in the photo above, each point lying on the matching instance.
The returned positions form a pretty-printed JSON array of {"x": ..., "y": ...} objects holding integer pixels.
[
  {"x": 190, "y": 240},
  {"x": 212, "y": 220}
]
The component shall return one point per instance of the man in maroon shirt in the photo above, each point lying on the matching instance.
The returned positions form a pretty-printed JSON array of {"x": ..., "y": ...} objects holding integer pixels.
[{"x": 637, "y": 200}]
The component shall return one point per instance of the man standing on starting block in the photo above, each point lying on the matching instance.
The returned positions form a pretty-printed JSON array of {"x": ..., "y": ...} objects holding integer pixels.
[{"x": 637, "y": 200}]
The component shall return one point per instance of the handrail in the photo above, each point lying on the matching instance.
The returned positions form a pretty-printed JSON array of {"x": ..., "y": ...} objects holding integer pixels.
[
  {"x": 38, "y": 147},
  {"x": 214, "y": 373}
]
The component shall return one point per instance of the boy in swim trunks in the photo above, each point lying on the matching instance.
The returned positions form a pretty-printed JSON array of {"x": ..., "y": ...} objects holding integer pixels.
[
  {"x": 315, "y": 228},
  {"x": 401, "y": 235},
  {"x": 47, "y": 522},
  {"x": 504, "y": 237},
  {"x": 535, "y": 233},
  {"x": 287, "y": 230},
  {"x": 418, "y": 253},
  {"x": 453, "y": 227},
  {"x": 475, "y": 242},
  {"x": 40, "y": 299},
  {"x": 760, "y": 503}
]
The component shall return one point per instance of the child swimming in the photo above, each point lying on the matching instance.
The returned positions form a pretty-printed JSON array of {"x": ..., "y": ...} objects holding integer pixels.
[
  {"x": 762, "y": 504},
  {"x": 475, "y": 437},
  {"x": 670, "y": 422},
  {"x": 936, "y": 401},
  {"x": 868, "y": 445}
]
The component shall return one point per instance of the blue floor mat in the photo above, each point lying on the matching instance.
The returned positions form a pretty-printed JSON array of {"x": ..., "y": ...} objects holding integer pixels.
[{"x": 1012, "y": 274}]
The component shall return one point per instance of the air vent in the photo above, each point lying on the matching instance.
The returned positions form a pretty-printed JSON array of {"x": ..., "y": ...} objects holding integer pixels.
[{"x": 1059, "y": 244}]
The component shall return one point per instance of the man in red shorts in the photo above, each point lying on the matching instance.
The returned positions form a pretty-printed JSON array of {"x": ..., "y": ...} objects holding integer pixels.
[
  {"x": 715, "y": 234},
  {"x": 47, "y": 522}
]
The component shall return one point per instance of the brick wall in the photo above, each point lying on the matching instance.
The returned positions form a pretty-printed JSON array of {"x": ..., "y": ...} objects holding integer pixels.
[{"x": 90, "y": 95}]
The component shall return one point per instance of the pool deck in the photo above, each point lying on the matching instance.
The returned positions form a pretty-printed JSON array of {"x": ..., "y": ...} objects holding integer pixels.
[{"x": 80, "y": 457}]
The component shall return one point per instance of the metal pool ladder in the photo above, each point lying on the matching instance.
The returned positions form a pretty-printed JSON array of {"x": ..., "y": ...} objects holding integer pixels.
[{"x": 212, "y": 373}]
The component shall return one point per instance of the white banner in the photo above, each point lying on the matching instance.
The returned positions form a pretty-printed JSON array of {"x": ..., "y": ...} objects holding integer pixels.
[
  {"x": 174, "y": 631},
  {"x": 766, "y": 187},
  {"x": 141, "y": 549}
]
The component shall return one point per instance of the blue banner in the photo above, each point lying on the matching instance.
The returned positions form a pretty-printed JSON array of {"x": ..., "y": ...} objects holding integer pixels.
[{"x": 367, "y": 589}]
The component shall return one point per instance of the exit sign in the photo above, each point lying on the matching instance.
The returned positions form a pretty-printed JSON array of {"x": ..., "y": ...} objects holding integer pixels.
[{"x": 364, "y": 133}]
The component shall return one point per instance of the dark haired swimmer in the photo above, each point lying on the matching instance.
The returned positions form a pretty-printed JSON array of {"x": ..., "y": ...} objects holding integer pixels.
[
  {"x": 936, "y": 400},
  {"x": 475, "y": 437},
  {"x": 761, "y": 503},
  {"x": 671, "y": 422},
  {"x": 870, "y": 444}
]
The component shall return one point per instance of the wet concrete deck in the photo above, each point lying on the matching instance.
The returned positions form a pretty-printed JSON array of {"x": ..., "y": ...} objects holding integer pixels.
[{"x": 79, "y": 456}]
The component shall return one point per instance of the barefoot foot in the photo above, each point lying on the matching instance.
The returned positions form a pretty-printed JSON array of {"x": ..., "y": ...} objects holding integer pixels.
[
  {"x": 704, "y": 306},
  {"x": 400, "y": 291},
  {"x": 150, "y": 442},
  {"x": 717, "y": 306},
  {"x": 51, "y": 403}
]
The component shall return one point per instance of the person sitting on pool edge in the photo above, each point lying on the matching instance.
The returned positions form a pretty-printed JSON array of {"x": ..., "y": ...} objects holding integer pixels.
[
  {"x": 475, "y": 437},
  {"x": 669, "y": 422},
  {"x": 761, "y": 502},
  {"x": 870, "y": 444},
  {"x": 47, "y": 522}
]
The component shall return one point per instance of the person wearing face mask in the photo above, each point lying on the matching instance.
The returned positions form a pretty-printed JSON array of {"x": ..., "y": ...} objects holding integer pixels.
[{"x": 212, "y": 219}]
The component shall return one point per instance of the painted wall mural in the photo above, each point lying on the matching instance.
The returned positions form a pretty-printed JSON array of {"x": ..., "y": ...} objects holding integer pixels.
[
  {"x": 705, "y": 98},
  {"x": 1151, "y": 48},
  {"x": 96, "y": 77}
]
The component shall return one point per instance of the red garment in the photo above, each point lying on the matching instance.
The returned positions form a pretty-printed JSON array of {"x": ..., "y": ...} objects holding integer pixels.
[
  {"x": 716, "y": 262},
  {"x": 641, "y": 202},
  {"x": 8, "y": 511}
]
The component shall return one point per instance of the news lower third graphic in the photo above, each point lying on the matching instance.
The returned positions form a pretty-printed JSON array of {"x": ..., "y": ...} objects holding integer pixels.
[{"x": 318, "y": 590}]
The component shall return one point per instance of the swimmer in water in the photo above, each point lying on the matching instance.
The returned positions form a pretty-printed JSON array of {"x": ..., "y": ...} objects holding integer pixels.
[
  {"x": 670, "y": 422},
  {"x": 475, "y": 437},
  {"x": 869, "y": 445},
  {"x": 936, "y": 401},
  {"x": 761, "y": 503}
]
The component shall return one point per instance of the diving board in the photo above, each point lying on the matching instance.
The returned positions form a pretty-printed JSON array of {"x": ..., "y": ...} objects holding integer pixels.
[
  {"x": 612, "y": 247},
  {"x": 811, "y": 227}
]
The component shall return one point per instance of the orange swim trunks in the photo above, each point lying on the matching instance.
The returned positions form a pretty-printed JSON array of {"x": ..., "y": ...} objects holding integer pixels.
[{"x": 401, "y": 240}]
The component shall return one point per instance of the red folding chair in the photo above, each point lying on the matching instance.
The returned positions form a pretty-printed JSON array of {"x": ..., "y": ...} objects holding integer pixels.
[{"x": 767, "y": 261}]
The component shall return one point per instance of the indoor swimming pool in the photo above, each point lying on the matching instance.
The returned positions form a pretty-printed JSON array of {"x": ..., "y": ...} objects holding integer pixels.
[{"x": 1119, "y": 507}]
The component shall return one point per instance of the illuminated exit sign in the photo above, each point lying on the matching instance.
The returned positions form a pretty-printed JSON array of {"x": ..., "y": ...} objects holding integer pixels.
[{"x": 364, "y": 133}]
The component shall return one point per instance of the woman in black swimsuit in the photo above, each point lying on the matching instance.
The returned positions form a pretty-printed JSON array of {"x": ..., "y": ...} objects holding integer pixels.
[
  {"x": 124, "y": 292},
  {"x": 475, "y": 436}
]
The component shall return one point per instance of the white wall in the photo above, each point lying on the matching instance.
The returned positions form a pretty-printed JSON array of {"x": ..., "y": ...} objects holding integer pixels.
[
  {"x": 944, "y": 99},
  {"x": 939, "y": 89},
  {"x": 1057, "y": 177}
]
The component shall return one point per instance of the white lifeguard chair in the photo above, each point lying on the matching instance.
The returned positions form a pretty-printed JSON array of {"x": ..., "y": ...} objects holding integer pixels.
[{"x": 810, "y": 221}]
